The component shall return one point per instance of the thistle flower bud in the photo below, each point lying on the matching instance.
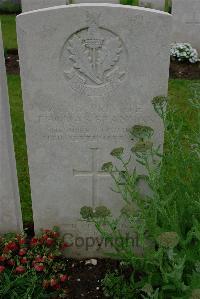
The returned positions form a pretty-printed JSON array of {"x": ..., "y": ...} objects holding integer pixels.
[
  {"x": 168, "y": 239},
  {"x": 117, "y": 152},
  {"x": 141, "y": 132},
  {"x": 102, "y": 211},
  {"x": 107, "y": 167},
  {"x": 142, "y": 146},
  {"x": 86, "y": 212}
]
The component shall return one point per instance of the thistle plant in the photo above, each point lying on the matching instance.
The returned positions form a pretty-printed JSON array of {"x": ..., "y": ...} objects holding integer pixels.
[{"x": 166, "y": 220}]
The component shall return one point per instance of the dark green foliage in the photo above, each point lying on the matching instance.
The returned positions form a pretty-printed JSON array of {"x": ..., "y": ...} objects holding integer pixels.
[{"x": 7, "y": 7}]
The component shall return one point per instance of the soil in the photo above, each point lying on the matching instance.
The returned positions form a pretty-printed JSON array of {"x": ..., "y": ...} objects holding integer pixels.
[
  {"x": 184, "y": 70},
  {"x": 12, "y": 62},
  {"x": 85, "y": 279}
]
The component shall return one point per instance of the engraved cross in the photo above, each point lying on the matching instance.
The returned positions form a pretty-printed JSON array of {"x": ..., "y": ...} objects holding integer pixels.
[{"x": 94, "y": 173}]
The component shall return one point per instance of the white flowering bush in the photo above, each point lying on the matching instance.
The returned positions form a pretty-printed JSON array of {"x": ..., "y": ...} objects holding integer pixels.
[{"x": 184, "y": 52}]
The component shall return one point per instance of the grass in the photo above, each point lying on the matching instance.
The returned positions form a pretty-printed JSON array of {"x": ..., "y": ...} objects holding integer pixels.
[
  {"x": 9, "y": 31},
  {"x": 179, "y": 91},
  {"x": 20, "y": 145}
]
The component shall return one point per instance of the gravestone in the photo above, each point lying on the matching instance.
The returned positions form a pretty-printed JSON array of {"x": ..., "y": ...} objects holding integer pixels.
[
  {"x": 96, "y": 1},
  {"x": 28, "y": 5},
  {"x": 154, "y": 4},
  {"x": 89, "y": 73},
  {"x": 10, "y": 212},
  {"x": 186, "y": 22}
]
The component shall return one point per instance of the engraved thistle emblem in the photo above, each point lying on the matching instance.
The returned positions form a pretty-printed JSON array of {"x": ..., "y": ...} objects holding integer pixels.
[{"x": 94, "y": 59}]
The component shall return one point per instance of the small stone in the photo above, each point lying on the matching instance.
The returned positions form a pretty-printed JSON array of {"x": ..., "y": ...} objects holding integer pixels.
[{"x": 91, "y": 261}]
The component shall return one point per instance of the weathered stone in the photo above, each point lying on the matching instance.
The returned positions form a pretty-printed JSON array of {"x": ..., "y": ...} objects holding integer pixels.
[
  {"x": 186, "y": 22},
  {"x": 10, "y": 212},
  {"x": 28, "y": 5},
  {"x": 154, "y": 4},
  {"x": 96, "y": 1},
  {"x": 89, "y": 73}
]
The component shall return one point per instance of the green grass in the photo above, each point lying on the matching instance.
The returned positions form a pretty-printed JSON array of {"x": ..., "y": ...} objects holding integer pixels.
[
  {"x": 20, "y": 145},
  {"x": 9, "y": 31},
  {"x": 179, "y": 91}
]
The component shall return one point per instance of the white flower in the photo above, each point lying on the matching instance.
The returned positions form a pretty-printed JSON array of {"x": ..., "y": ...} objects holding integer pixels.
[{"x": 184, "y": 52}]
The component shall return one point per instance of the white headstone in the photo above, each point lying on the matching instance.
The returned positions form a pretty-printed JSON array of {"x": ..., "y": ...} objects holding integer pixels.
[
  {"x": 10, "y": 212},
  {"x": 28, "y": 5},
  {"x": 96, "y": 1},
  {"x": 186, "y": 22},
  {"x": 154, "y": 4},
  {"x": 89, "y": 73}
]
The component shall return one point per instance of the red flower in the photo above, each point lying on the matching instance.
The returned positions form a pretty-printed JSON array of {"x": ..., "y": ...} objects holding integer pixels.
[
  {"x": 39, "y": 259},
  {"x": 57, "y": 286},
  {"x": 45, "y": 237},
  {"x": 53, "y": 282},
  {"x": 22, "y": 251},
  {"x": 65, "y": 245},
  {"x": 11, "y": 262},
  {"x": 20, "y": 269},
  {"x": 39, "y": 267},
  {"x": 55, "y": 234},
  {"x": 63, "y": 277},
  {"x": 22, "y": 241},
  {"x": 2, "y": 268},
  {"x": 24, "y": 260},
  {"x": 11, "y": 246},
  {"x": 34, "y": 242},
  {"x": 49, "y": 241},
  {"x": 2, "y": 258}
]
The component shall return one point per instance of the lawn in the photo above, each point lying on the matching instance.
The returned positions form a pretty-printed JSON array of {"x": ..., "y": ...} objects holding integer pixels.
[
  {"x": 20, "y": 145},
  {"x": 179, "y": 91},
  {"x": 9, "y": 31}
]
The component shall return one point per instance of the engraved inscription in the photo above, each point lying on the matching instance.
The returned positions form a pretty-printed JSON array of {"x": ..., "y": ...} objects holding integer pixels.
[
  {"x": 94, "y": 173},
  {"x": 84, "y": 125},
  {"x": 94, "y": 59}
]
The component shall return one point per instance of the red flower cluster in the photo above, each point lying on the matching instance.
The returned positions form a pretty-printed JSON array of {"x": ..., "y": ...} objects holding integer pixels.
[
  {"x": 56, "y": 282},
  {"x": 43, "y": 253}
]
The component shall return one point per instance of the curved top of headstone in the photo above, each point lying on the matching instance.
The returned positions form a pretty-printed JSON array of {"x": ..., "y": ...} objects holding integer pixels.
[
  {"x": 95, "y": 5},
  {"x": 96, "y": 1}
]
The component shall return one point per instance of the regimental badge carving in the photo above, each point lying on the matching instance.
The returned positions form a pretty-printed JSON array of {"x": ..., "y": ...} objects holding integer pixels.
[{"x": 94, "y": 59}]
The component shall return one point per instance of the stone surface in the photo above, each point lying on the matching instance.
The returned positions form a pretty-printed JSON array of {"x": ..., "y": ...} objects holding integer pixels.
[
  {"x": 96, "y": 1},
  {"x": 186, "y": 24},
  {"x": 28, "y": 5},
  {"x": 154, "y": 4},
  {"x": 10, "y": 212},
  {"x": 89, "y": 73}
]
